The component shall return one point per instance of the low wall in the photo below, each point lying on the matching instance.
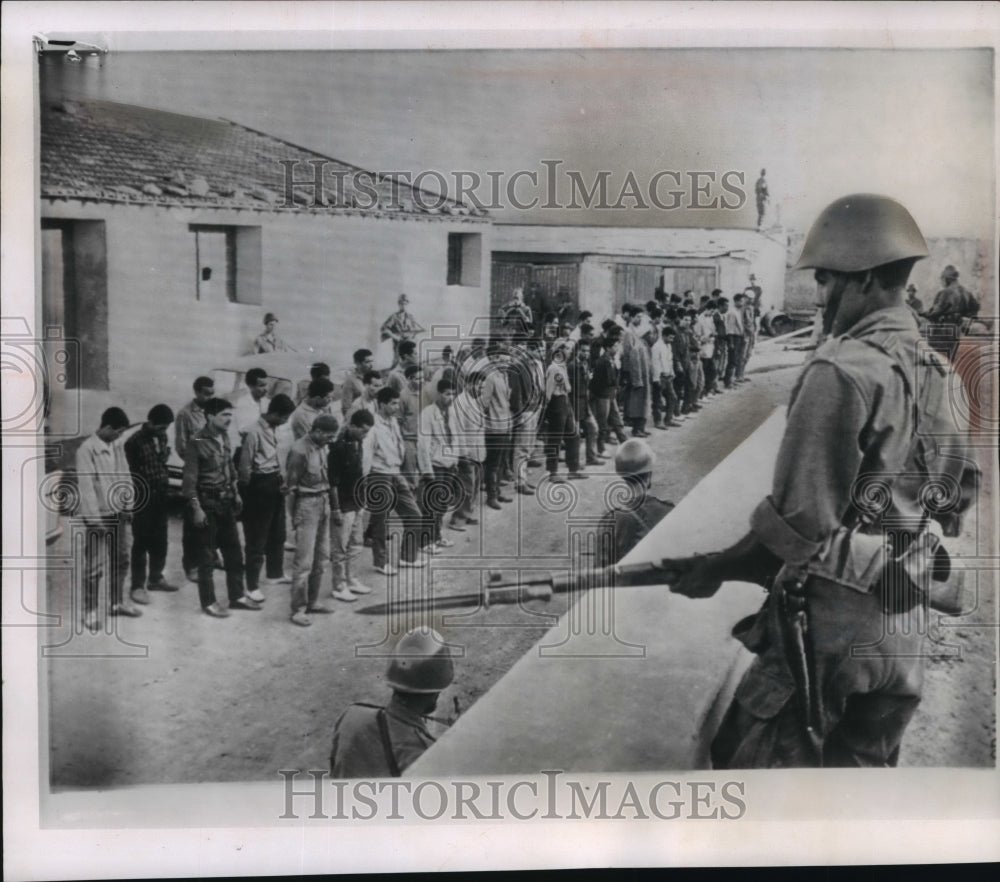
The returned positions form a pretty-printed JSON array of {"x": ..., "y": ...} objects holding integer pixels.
[{"x": 573, "y": 704}]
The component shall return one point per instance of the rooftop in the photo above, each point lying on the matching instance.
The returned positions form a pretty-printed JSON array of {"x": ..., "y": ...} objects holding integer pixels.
[{"x": 109, "y": 152}]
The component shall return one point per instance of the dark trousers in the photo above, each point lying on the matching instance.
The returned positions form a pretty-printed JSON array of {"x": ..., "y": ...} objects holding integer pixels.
[
  {"x": 438, "y": 495},
  {"x": 496, "y": 444},
  {"x": 684, "y": 388},
  {"x": 588, "y": 427},
  {"x": 149, "y": 540},
  {"x": 734, "y": 357},
  {"x": 708, "y": 365},
  {"x": 609, "y": 420},
  {"x": 388, "y": 493},
  {"x": 219, "y": 532},
  {"x": 656, "y": 401},
  {"x": 470, "y": 475},
  {"x": 561, "y": 428},
  {"x": 669, "y": 398},
  {"x": 264, "y": 527}
]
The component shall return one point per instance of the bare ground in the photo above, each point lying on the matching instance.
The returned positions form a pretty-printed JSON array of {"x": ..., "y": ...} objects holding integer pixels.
[{"x": 178, "y": 697}]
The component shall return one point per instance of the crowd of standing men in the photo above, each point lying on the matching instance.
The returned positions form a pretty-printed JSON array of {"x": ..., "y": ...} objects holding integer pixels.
[{"x": 320, "y": 477}]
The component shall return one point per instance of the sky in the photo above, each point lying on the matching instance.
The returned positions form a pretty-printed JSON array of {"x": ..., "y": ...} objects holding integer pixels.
[{"x": 914, "y": 124}]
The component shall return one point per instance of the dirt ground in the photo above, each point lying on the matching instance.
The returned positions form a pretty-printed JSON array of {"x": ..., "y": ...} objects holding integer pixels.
[{"x": 178, "y": 697}]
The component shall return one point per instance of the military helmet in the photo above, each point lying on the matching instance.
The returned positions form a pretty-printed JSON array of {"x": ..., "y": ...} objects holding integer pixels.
[
  {"x": 950, "y": 273},
  {"x": 421, "y": 662},
  {"x": 859, "y": 232},
  {"x": 634, "y": 457}
]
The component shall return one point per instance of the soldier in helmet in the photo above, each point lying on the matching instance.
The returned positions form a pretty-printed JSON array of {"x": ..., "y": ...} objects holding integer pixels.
[
  {"x": 843, "y": 542},
  {"x": 376, "y": 741},
  {"x": 954, "y": 306},
  {"x": 624, "y": 525}
]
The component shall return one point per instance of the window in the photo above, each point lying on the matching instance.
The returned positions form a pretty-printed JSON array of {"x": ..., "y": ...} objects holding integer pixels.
[
  {"x": 465, "y": 259},
  {"x": 227, "y": 264}
]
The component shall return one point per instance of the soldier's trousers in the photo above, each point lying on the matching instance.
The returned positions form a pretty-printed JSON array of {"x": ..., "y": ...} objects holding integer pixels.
[{"x": 868, "y": 670}]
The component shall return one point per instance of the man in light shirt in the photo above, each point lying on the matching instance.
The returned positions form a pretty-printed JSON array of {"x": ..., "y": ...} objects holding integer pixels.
[
  {"x": 317, "y": 401},
  {"x": 101, "y": 471},
  {"x": 437, "y": 459},
  {"x": 494, "y": 399},
  {"x": 470, "y": 447},
  {"x": 260, "y": 478},
  {"x": 387, "y": 490},
  {"x": 249, "y": 408}
]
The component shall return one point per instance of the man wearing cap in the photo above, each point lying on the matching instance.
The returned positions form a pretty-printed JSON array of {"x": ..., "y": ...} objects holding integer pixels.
[
  {"x": 625, "y": 524},
  {"x": 382, "y": 741},
  {"x": 401, "y": 325},
  {"x": 843, "y": 542},
  {"x": 309, "y": 487},
  {"x": 952, "y": 308},
  {"x": 269, "y": 341}
]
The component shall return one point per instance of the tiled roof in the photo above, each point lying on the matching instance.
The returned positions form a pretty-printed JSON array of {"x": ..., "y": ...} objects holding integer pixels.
[{"x": 109, "y": 152}]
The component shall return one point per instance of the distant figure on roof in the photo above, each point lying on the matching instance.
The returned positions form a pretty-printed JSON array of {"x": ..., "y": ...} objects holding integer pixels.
[
  {"x": 401, "y": 325},
  {"x": 760, "y": 190},
  {"x": 269, "y": 341}
]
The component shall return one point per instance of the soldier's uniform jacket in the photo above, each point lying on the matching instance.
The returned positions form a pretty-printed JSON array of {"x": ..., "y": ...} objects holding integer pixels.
[
  {"x": 371, "y": 741},
  {"x": 871, "y": 430},
  {"x": 873, "y": 450},
  {"x": 621, "y": 529}
]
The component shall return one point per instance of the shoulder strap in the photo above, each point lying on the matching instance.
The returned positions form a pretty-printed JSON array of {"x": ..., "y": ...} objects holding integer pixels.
[{"x": 383, "y": 731}]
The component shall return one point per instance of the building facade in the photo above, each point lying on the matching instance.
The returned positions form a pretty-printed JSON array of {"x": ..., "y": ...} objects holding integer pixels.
[{"x": 166, "y": 238}]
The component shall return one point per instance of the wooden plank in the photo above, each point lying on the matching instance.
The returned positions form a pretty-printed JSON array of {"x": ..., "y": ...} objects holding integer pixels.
[{"x": 575, "y": 708}]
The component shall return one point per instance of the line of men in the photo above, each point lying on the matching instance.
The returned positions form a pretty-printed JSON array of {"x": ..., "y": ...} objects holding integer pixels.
[{"x": 420, "y": 447}]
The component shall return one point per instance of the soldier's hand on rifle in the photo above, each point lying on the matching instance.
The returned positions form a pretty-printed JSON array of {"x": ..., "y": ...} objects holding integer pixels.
[{"x": 695, "y": 576}]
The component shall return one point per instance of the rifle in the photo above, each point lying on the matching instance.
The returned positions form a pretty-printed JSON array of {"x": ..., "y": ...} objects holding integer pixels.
[{"x": 497, "y": 591}]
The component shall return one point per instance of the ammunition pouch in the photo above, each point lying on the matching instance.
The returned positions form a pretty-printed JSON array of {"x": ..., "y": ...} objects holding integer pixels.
[{"x": 906, "y": 569}]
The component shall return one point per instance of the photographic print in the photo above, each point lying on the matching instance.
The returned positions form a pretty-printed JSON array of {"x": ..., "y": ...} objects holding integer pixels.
[{"x": 436, "y": 427}]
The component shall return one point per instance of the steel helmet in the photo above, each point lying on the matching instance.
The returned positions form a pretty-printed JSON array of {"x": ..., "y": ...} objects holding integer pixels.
[
  {"x": 421, "y": 662},
  {"x": 634, "y": 457},
  {"x": 859, "y": 232}
]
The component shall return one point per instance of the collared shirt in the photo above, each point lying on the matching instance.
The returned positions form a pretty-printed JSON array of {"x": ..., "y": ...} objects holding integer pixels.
[
  {"x": 556, "y": 380},
  {"x": 147, "y": 452},
  {"x": 663, "y": 359},
  {"x": 352, "y": 388},
  {"x": 345, "y": 470},
  {"x": 208, "y": 463},
  {"x": 733, "y": 322},
  {"x": 306, "y": 468},
  {"x": 246, "y": 412},
  {"x": 435, "y": 443},
  {"x": 383, "y": 447},
  {"x": 101, "y": 471},
  {"x": 705, "y": 324},
  {"x": 851, "y": 426},
  {"x": 467, "y": 427},
  {"x": 495, "y": 399},
  {"x": 259, "y": 454},
  {"x": 409, "y": 413},
  {"x": 304, "y": 416},
  {"x": 360, "y": 403},
  {"x": 189, "y": 422}
]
